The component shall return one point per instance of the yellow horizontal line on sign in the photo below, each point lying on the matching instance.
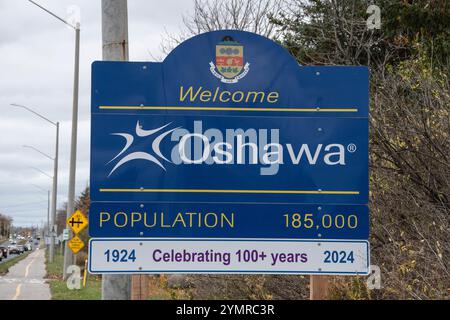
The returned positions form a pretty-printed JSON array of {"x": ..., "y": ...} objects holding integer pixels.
[
  {"x": 234, "y": 191},
  {"x": 230, "y": 109}
]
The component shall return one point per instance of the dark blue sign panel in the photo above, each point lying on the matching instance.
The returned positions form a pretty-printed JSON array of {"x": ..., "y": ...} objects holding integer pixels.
[
  {"x": 300, "y": 91},
  {"x": 228, "y": 220},
  {"x": 229, "y": 119},
  {"x": 232, "y": 159},
  {"x": 250, "y": 75}
]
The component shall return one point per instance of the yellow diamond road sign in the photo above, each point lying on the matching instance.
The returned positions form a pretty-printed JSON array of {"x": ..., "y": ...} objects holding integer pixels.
[
  {"x": 76, "y": 244},
  {"x": 77, "y": 222}
]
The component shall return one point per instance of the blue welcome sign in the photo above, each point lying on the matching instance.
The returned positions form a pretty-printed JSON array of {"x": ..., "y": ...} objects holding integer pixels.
[
  {"x": 229, "y": 131},
  {"x": 223, "y": 158}
]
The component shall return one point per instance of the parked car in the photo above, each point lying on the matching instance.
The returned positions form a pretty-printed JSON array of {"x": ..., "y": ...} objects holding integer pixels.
[
  {"x": 3, "y": 252},
  {"x": 21, "y": 248}
]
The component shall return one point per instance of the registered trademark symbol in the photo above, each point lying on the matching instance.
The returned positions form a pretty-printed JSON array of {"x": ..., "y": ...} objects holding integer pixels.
[{"x": 351, "y": 147}]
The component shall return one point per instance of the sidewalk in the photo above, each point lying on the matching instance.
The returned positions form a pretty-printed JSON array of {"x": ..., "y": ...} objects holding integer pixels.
[{"x": 25, "y": 280}]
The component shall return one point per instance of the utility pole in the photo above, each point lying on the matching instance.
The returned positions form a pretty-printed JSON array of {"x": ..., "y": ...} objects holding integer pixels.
[
  {"x": 115, "y": 48},
  {"x": 115, "y": 30},
  {"x": 69, "y": 258}
]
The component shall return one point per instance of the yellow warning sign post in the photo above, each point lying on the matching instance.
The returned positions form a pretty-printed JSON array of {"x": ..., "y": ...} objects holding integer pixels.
[
  {"x": 77, "y": 222},
  {"x": 76, "y": 244}
]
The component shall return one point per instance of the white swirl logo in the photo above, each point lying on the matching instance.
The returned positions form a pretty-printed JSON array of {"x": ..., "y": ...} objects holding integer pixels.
[{"x": 139, "y": 155}]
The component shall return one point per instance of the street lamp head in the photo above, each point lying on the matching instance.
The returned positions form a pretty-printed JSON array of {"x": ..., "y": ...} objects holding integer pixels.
[
  {"x": 38, "y": 187},
  {"x": 54, "y": 15},
  {"x": 44, "y": 173},
  {"x": 37, "y": 150},
  {"x": 34, "y": 112}
]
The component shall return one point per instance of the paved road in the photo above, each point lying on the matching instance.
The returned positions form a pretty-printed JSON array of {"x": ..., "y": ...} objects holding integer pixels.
[
  {"x": 25, "y": 280},
  {"x": 12, "y": 256}
]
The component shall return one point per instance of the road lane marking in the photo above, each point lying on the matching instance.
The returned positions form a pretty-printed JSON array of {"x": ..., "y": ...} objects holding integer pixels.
[
  {"x": 17, "y": 292},
  {"x": 16, "y": 280},
  {"x": 27, "y": 269}
]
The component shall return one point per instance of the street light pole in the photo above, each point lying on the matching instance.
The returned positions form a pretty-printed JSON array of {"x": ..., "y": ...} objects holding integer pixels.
[
  {"x": 48, "y": 207},
  {"x": 68, "y": 256},
  {"x": 48, "y": 213},
  {"x": 48, "y": 194},
  {"x": 55, "y": 178},
  {"x": 46, "y": 231},
  {"x": 54, "y": 192}
]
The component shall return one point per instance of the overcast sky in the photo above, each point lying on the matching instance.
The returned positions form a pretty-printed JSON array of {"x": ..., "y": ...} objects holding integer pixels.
[{"x": 36, "y": 70}]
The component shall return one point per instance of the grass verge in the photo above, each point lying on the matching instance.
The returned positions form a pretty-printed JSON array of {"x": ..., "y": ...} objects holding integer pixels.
[
  {"x": 58, "y": 286},
  {"x": 4, "y": 267}
]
